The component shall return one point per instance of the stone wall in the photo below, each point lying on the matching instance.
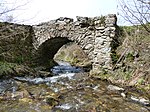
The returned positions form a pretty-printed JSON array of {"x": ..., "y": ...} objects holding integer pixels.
[
  {"x": 94, "y": 35},
  {"x": 15, "y": 43}
]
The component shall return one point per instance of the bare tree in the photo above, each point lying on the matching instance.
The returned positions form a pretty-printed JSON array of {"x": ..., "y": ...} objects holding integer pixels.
[
  {"x": 8, "y": 7},
  {"x": 136, "y": 12}
]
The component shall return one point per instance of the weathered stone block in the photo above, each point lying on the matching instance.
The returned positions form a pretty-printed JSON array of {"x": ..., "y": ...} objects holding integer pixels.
[
  {"x": 99, "y": 27},
  {"x": 88, "y": 46}
]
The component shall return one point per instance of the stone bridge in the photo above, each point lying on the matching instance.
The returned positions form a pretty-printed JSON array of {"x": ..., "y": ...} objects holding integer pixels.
[{"x": 94, "y": 35}]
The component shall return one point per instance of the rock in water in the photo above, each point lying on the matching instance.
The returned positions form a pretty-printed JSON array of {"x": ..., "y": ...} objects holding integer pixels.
[{"x": 114, "y": 88}]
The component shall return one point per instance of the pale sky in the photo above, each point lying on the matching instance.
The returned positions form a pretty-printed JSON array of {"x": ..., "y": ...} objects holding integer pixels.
[{"x": 37, "y": 11}]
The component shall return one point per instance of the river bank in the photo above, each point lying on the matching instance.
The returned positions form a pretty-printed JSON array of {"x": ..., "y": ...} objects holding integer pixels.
[{"x": 70, "y": 92}]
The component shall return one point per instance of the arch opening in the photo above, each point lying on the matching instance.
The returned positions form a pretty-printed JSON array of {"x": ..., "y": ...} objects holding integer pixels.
[
  {"x": 60, "y": 48},
  {"x": 75, "y": 55},
  {"x": 48, "y": 49}
]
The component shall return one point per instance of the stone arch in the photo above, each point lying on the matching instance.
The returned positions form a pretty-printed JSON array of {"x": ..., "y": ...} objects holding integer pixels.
[
  {"x": 47, "y": 50},
  {"x": 94, "y": 35}
]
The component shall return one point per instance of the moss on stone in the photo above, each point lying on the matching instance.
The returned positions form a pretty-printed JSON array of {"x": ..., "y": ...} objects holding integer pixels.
[{"x": 102, "y": 20}]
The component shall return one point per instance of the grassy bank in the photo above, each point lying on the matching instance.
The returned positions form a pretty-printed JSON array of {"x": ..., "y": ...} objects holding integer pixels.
[{"x": 131, "y": 59}]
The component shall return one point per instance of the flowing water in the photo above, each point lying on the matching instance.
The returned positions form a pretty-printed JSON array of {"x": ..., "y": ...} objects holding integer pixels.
[{"x": 68, "y": 92}]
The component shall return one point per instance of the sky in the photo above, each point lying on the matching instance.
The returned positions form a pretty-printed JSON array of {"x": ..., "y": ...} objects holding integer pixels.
[{"x": 37, "y": 11}]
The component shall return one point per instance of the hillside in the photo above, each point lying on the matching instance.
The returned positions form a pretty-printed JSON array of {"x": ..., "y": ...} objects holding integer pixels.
[{"x": 131, "y": 58}]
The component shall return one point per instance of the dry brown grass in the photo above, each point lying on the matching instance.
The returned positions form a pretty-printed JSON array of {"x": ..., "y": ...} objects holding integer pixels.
[{"x": 134, "y": 66}]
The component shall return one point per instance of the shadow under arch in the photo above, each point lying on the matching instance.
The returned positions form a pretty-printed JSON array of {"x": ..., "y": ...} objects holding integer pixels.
[{"x": 48, "y": 49}]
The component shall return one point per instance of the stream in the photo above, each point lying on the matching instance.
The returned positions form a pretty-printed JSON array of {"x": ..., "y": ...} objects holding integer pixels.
[{"x": 70, "y": 89}]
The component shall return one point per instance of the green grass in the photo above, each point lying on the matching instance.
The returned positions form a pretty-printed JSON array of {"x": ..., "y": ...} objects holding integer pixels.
[{"x": 6, "y": 68}]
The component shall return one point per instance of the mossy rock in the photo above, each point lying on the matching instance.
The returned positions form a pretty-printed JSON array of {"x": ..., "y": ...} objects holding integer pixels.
[
  {"x": 6, "y": 68},
  {"x": 12, "y": 69}
]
